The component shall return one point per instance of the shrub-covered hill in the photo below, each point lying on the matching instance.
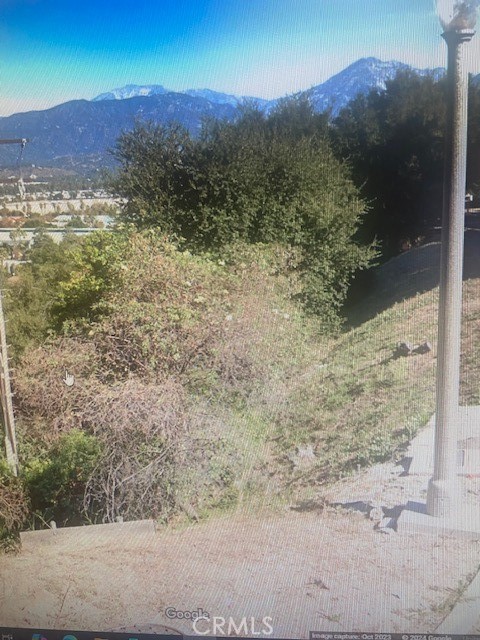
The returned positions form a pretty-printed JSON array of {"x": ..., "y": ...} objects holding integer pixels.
[{"x": 200, "y": 385}]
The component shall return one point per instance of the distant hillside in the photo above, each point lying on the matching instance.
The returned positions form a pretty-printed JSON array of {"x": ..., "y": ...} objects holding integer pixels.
[{"x": 78, "y": 134}]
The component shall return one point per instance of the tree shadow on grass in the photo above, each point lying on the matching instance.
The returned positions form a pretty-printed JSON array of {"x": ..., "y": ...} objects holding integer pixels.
[{"x": 411, "y": 273}]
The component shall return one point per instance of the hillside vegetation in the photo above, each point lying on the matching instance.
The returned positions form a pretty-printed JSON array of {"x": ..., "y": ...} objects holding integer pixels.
[
  {"x": 200, "y": 383},
  {"x": 195, "y": 360}
]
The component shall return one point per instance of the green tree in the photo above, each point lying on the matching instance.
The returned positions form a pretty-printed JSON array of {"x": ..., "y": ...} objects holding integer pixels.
[
  {"x": 265, "y": 179},
  {"x": 473, "y": 150},
  {"x": 30, "y": 296},
  {"x": 394, "y": 142},
  {"x": 153, "y": 175}
]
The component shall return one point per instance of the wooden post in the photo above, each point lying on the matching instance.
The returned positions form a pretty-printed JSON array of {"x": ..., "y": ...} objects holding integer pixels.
[
  {"x": 6, "y": 397},
  {"x": 5, "y": 387}
]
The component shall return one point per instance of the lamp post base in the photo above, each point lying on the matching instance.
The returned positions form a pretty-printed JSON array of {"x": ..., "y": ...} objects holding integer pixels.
[
  {"x": 462, "y": 522},
  {"x": 442, "y": 497}
]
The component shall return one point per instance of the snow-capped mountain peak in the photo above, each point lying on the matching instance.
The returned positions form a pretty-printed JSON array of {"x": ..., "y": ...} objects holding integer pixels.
[
  {"x": 359, "y": 78},
  {"x": 132, "y": 91}
]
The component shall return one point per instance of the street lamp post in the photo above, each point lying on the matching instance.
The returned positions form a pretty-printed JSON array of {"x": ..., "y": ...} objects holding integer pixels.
[{"x": 458, "y": 20}]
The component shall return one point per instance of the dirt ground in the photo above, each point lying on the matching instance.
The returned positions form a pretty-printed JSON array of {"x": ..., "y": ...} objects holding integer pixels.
[{"x": 307, "y": 568}]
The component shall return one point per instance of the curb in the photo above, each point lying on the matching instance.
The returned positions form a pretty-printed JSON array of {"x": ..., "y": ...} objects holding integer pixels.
[
  {"x": 133, "y": 532},
  {"x": 464, "y": 618}
]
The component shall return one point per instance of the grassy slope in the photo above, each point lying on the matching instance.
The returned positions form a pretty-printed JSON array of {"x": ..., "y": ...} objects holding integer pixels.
[
  {"x": 343, "y": 400},
  {"x": 348, "y": 398}
]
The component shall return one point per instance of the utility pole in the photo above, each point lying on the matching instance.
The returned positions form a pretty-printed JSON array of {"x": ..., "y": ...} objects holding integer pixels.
[
  {"x": 6, "y": 398},
  {"x": 8, "y": 417}
]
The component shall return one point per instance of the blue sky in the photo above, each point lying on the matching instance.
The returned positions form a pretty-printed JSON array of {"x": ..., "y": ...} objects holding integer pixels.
[{"x": 52, "y": 51}]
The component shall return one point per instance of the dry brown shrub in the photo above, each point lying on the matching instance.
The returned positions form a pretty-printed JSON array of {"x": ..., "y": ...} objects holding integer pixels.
[
  {"x": 148, "y": 343},
  {"x": 143, "y": 430},
  {"x": 140, "y": 426},
  {"x": 13, "y": 505},
  {"x": 176, "y": 320},
  {"x": 132, "y": 406},
  {"x": 147, "y": 430},
  {"x": 42, "y": 399}
]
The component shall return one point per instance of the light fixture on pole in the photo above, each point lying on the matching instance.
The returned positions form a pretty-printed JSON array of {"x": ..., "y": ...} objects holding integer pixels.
[{"x": 458, "y": 21}]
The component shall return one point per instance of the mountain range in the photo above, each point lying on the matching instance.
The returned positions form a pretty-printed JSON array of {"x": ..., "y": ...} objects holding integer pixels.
[
  {"x": 334, "y": 94},
  {"x": 78, "y": 134},
  {"x": 135, "y": 90}
]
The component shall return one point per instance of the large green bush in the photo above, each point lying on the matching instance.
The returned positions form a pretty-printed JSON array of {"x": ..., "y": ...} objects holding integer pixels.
[
  {"x": 31, "y": 294},
  {"x": 56, "y": 481},
  {"x": 96, "y": 268},
  {"x": 261, "y": 179}
]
